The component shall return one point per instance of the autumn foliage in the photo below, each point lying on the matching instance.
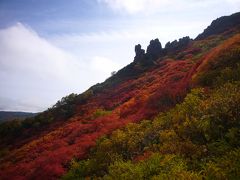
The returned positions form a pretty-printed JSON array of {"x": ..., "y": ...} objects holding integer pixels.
[{"x": 190, "y": 98}]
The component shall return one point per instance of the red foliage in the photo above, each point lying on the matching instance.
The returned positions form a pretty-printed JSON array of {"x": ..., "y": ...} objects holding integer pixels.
[{"x": 47, "y": 155}]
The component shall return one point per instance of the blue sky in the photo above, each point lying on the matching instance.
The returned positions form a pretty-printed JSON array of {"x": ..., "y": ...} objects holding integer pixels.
[{"x": 50, "y": 48}]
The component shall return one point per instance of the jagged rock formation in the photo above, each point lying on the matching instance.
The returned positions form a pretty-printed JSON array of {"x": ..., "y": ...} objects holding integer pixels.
[
  {"x": 155, "y": 50},
  {"x": 179, "y": 45}
]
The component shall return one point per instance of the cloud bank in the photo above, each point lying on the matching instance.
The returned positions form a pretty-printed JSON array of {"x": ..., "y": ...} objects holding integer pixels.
[
  {"x": 151, "y": 6},
  {"x": 34, "y": 73}
]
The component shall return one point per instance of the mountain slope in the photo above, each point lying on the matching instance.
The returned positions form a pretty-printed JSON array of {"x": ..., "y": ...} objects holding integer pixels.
[
  {"x": 43, "y": 147},
  {"x": 197, "y": 139},
  {"x": 224, "y": 24}
]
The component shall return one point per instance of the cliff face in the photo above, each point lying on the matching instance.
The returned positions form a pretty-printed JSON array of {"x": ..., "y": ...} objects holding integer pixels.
[{"x": 157, "y": 80}]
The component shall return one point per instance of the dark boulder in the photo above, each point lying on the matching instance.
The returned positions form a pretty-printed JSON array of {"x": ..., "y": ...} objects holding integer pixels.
[
  {"x": 154, "y": 49},
  {"x": 139, "y": 53}
]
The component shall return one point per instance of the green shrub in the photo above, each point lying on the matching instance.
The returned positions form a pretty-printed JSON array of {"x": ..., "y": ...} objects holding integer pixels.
[
  {"x": 226, "y": 167},
  {"x": 100, "y": 113}
]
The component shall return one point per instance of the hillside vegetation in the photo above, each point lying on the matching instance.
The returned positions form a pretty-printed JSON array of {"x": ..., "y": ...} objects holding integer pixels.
[
  {"x": 197, "y": 139},
  {"x": 173, "y": 113}
]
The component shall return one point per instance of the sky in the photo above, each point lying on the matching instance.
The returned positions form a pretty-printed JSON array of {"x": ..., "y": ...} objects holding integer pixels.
[{"x": 51, "y": 48}]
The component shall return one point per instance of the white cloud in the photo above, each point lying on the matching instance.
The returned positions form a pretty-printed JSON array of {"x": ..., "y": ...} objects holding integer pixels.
[
  {"x": 9, "y": 104},
  {"x": 23, "y": 50},
  {"x": 134, "y": 6},
  {"x": 234, "y": 3},
  {"x": 131, "y": 6},
  {"x": 34, "y": 72},
  {"x": 104, "y": 65},
  {"x": 151, "y": 6},
  {"x": 147, "y": 6},
  {"x": 123, "y": 38}
]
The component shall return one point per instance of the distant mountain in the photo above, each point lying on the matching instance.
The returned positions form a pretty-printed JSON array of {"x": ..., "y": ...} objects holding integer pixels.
[
  {"x": 173, "y": 113},
  {"x": 10, "y": 115}
]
